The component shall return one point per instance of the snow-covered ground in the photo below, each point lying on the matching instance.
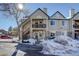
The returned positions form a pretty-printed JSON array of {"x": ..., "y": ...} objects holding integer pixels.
[
  {"x": 31, "y": 41},
  {"x": 61, "y": 45},
  {"x": 7, "y": 40},
  {"x": 20, "y": 53},
  {"x": 15, "y": 39}
]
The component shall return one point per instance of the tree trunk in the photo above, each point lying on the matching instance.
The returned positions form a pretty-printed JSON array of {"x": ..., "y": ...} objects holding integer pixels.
[
  {"x": 18, "y": 29},
  {"x": 18, "y": 26}
]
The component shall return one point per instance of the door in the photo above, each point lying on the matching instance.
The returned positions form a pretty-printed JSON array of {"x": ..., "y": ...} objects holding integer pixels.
[
  {"x": 36, "y": 36},
  {"x": 40, "y": 35},
  {"x": 76, "y": 34}
]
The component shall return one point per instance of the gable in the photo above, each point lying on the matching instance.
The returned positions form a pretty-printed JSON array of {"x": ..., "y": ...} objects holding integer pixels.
[
  {"x": 57, "y": 15},
  {"x": 76, "y": 16},
  {"x": 39, "y": 14}
]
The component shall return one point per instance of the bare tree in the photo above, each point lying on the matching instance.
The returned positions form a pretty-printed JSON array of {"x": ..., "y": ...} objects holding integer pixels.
[{"x": 11, "y": 9}]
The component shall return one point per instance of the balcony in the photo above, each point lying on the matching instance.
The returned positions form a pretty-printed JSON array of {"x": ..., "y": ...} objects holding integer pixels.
[
  {"x": 38, "y": 25},
  {"x": 76, "y": 26}
]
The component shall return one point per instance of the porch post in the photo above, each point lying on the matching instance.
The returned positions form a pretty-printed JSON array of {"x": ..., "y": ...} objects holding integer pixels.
[
  {"x": 31, "y": 29},
  {"x": 21, "y": 34}
]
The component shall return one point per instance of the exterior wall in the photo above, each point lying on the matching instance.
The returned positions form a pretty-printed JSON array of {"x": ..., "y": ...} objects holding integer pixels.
[
  {"x": 36, "y": 18},
  {"x": 57, "y": 16},
  {"x": 58, "y": 26},
  {"x": 39, "y": 15},
  {"x": 39, "y": 32},
  {"x": 72, "y": 22},
  {"x": 75, "y": 31},
  {"x": 26, "y": 27}
]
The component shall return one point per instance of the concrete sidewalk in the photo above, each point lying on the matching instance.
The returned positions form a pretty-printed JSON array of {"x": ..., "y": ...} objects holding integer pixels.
[
  {"x": 7, "y": 49},
  {"x": 8, "y": 41}
]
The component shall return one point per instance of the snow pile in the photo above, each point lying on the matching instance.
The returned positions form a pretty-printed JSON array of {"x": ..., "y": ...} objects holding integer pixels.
[
  {"x": 61, "y": 45},
  {"x": 32, "y": 41},
  {"x": 20, "y": 53},
  {"x": 6, "y": 40},
  {"x": 15, "y": 39}
]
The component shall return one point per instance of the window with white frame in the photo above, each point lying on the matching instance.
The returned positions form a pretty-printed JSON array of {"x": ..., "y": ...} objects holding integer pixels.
[
  {"x": 63, "y": 23},
  {"x": 52, "y": 22}
]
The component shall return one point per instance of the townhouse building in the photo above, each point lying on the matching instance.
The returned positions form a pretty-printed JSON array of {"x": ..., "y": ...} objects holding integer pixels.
[{"x": 39, "y": 25}]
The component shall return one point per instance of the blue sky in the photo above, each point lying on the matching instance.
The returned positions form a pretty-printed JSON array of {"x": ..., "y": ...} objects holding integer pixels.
[{"x": 6, "y": 22}]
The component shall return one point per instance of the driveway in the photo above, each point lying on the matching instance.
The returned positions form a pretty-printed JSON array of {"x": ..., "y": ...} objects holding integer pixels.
[{"x": 30, "y": 50}]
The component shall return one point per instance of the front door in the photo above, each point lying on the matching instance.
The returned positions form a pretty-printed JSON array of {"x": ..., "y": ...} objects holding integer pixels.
[
  {"x": 36, "y": 36},
  {"x": 39, "y": 35},
  {"x": 76, "y": 34}
]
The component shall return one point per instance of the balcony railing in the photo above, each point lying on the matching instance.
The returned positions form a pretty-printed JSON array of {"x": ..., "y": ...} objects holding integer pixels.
[
  {"x": 39, "y": 25},
  {"x": 76, "y": 26}
]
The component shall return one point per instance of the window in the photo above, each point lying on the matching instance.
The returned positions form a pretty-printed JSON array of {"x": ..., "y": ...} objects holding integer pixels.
[
  {"x": 52, "y": 22},
  {"x": 36, "y": 22},
  {"x": 63, "y": 23},
  {"x": 62, "y": 33},
  {"x": 40, "y": 22},
  {"x": 36, "y": 35},
  {"x": 52, "y": 34},
  {"x": 40, "y": 34}
]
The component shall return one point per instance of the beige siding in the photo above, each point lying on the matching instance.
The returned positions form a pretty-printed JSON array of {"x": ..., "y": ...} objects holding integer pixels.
[
  {"x": 26, "y": 26},
  {"x": 57, "y": 16},
  {"x": 76, "y": 17},
  {"x": 39, "y": 15}
]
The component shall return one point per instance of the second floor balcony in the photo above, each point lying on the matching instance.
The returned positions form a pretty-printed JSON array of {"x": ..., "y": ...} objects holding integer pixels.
[
  {"x": 38, "y": 25},
  {"x": 76, "y": 26}
]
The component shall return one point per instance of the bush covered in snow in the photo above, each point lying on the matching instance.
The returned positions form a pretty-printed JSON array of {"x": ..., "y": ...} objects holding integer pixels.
[{"x": 30, "y": 41}]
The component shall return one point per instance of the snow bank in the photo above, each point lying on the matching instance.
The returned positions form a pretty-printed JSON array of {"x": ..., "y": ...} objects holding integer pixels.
[
  {"x": 32, "y": 41},
  {"x": 20, "y": 53},
  {"x": 6, "y": 40},
  {"x": 61, "y": 45},
  {"x": 15, "y": 38}
]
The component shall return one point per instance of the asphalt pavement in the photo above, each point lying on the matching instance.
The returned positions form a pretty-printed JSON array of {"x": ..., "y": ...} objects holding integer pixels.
[{"x": 30, "y": 50}]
